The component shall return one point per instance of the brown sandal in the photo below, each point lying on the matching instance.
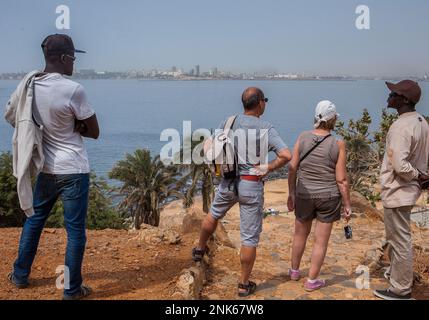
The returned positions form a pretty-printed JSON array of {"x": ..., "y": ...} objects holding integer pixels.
[
  {"x": 198, "y": 254},
  {"x": 250, "y": 289}
]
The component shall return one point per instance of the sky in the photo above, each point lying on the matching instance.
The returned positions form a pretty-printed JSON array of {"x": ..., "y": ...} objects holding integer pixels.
[{"x": 296, "y": 36}]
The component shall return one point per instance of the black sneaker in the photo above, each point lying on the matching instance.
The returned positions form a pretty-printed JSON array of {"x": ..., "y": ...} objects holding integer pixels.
[
  {"x": 84, "y": 292},
  {"x": 12, "y": 280},
  {"x": 389, "y": 295}
]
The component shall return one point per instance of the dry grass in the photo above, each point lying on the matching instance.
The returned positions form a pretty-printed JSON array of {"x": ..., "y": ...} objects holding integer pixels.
[{"x": 421, "y": 263}]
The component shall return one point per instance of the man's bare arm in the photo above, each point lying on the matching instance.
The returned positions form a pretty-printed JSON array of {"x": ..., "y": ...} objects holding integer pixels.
[{"x": 88, "y": 128}]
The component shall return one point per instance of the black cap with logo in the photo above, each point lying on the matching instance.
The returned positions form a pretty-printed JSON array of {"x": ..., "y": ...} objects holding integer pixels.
[{"x": 58, "y": 44}]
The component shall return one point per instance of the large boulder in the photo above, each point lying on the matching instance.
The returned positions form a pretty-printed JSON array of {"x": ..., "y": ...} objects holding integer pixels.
[
  {"x": 361, "y": 205},
  {"x": 192, "y": 220},
  {"x": 192, "y": 223},
  {"x": 153, "y": 235}
]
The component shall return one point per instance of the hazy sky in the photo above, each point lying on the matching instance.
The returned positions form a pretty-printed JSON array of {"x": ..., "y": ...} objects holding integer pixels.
[{"x": 310, "y": 36}]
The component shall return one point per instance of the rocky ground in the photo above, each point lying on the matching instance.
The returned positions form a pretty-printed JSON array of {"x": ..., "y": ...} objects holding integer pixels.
[{"x": 155, "y": 263}]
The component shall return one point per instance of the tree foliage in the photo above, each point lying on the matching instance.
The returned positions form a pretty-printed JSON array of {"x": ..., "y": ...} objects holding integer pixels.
[
  {"x": 365, "y": 151},
  {"x": 146, "y": 185}
]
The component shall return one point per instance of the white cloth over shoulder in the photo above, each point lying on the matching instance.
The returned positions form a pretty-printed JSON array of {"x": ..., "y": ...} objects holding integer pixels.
[{"x": 27, "y": 148}]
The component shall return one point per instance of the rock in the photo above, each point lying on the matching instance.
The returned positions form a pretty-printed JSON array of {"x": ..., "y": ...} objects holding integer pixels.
[
  {"x": 190, "y": 282},
  {"x": 222, "y": 237},
  {"x": 360, "y": 204},
  {"x": 154, "y": 236},
  {"x": 192, "y": 221},
  {"x": 373, "y": 255},
  {"x": 172, "y": 237}
]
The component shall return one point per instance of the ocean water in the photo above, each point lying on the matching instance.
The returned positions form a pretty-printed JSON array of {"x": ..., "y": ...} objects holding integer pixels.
[{"x": 133, "y": 113}]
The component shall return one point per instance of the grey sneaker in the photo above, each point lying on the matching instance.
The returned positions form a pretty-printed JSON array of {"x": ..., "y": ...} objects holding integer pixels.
[{"x": 389, "y": 295}]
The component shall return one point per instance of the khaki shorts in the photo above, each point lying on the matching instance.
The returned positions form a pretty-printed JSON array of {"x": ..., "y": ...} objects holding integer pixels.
[
  {"x": 326, "y": 210},
  {"x": 251, "y": 199}
]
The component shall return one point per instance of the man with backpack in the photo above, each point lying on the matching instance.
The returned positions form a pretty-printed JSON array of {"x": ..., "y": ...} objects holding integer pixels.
[{"x": 242, "y": 182}]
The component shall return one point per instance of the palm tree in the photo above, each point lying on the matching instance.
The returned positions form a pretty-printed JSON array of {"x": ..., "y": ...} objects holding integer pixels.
[
  {"x": 197, "y": 178},
  {"x": 147, "y": 184}
]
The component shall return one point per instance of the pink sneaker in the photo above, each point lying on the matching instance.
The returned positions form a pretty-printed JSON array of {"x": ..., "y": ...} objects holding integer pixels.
[
  {"x": 294, "y": 275},
  {"x": 314, "y": 286}
]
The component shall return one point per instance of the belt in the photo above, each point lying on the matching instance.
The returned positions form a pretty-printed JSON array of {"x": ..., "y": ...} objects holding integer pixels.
[{"x": 251, "y": 178}]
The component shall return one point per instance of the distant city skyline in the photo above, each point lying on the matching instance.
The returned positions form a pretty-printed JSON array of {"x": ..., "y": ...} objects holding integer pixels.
[
  {"x": 297, "y": 37},
  {"x": 214, "y": 73}
]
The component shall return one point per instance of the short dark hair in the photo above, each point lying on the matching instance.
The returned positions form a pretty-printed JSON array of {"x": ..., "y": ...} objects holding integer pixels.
[{"x": 251, "y": 98}]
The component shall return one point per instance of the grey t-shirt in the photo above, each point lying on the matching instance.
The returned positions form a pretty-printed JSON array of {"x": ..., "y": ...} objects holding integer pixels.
[{"x": 261, "y": 138}]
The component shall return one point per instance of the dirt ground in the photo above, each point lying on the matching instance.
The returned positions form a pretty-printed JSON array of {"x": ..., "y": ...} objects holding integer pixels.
[{"x": 116, "y": 266}]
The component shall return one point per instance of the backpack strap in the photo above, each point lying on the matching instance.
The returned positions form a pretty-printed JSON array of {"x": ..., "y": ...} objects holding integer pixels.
[
  {"x": 229, "y": 123},
  {"x": 314, "y": 147},
  {"x": 228, "y": 126}
]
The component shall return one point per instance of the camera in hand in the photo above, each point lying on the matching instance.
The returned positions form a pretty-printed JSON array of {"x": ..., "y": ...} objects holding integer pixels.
[{"x": 348, "y": 232}]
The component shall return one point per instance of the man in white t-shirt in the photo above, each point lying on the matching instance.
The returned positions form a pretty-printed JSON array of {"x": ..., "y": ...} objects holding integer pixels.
[{"x": 61, "y": 107}]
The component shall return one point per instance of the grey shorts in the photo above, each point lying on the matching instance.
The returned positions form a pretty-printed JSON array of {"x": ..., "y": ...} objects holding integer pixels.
[
  {"x": 325, "y": 210},
  {"x": 251, "y": 200}
]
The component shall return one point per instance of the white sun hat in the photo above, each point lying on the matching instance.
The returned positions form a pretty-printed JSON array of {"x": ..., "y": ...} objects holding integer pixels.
[{"x": 325, "y": 111}]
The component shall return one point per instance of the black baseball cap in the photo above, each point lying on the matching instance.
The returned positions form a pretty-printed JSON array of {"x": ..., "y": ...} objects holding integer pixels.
[{"x": 58, "y": 44}]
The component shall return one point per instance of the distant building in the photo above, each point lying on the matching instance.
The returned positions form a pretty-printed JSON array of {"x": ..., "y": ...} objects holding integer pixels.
[
  {"x": 87, "y": 72},
  {"x": 213, "y": 72},
  {"x": 197, "y": 70},
  {"x": 173, "y": 69}
]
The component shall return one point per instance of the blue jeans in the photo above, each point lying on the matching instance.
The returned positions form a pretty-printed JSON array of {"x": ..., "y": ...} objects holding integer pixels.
[{"x": 73, "y": 189}]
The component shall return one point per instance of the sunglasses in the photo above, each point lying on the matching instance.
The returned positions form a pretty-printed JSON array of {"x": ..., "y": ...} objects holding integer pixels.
[
  {"x": 69, "y": 56},
  {"x": 394, "y": 95},
  {"x": 265, "y": 100}
]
